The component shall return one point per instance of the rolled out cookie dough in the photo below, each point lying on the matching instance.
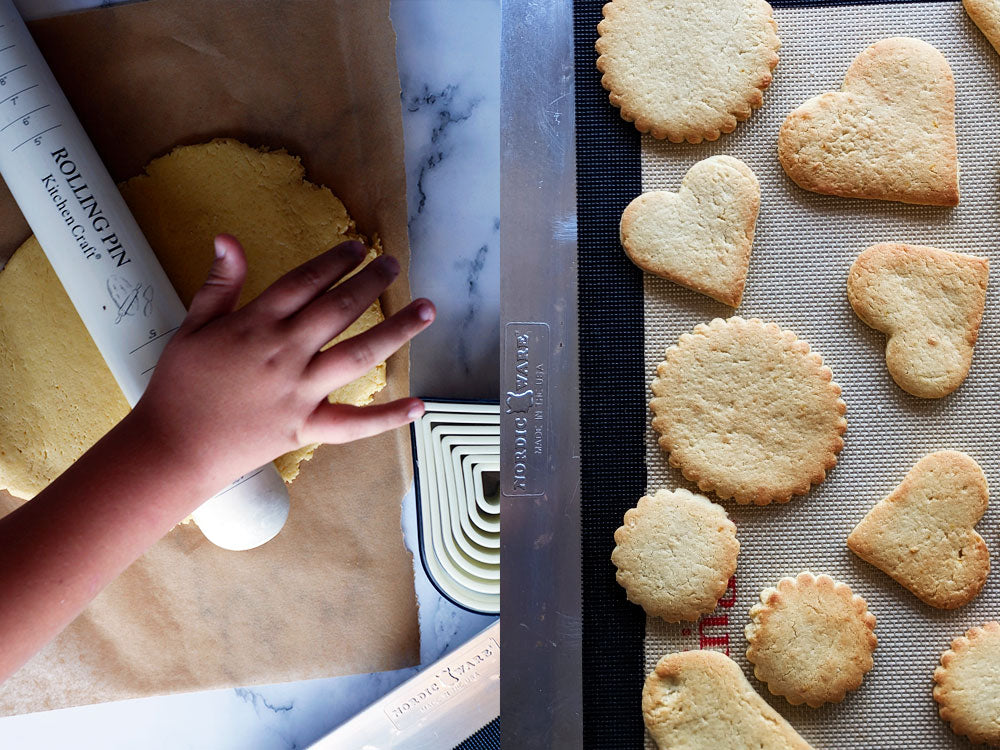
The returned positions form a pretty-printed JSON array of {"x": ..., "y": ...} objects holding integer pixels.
[{"x": 57, "y": 397}]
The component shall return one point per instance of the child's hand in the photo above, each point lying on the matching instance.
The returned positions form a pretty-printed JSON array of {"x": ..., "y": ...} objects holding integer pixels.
[
  {"x": 234, "y": 390},
  {"x": 231, "y": 391}
]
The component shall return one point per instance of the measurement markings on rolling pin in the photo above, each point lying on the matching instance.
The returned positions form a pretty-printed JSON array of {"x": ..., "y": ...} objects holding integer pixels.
[
  {"x": 18, "y": 93},
  {"x": 3, "y": 76},
  {"x": 241, "y": 480},
  {"x": 156, "y": 338},
  {"x": 23, "y": 119},
  {"x": 9, "y": 46},
  {"x": 36, "y": 137}
]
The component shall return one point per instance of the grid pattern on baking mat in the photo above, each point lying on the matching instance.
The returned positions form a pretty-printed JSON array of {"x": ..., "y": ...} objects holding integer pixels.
[
  {"x": 803, "y": 248},
  {"x": 612, "y": 400}
]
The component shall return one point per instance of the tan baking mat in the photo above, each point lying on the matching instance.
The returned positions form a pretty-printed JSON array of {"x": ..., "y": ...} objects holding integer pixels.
[{"x": 804, "y": 245}]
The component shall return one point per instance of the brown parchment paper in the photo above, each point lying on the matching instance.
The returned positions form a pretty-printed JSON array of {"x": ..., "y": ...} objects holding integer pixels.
[{"x": 333, "y": 593}]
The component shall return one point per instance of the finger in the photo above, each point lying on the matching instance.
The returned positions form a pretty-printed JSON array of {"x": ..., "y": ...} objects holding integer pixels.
[
  {"x": 342, "y": 423},
  {"x": 221, "y": 290},
  {"x": 354, "y": 357},
  {"x": 303, "y": 284},
  {"x": 329, "y": 315}
]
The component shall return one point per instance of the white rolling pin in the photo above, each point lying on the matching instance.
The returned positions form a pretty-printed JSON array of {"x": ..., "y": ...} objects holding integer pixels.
[{"x": 102, "y": 259}]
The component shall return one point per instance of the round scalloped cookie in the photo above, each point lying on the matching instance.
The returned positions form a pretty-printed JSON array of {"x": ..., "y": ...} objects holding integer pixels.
[
  {"x": 811, "y": 639},
  {"x": 675, "y": 554},
  {"x": 967, "y": 684},
  {"x": 687, "y": 70},
  {"x": 747, "y": 411}
]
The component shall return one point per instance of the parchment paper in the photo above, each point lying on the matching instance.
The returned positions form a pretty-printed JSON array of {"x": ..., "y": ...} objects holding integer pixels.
[
  {"x": 333, "y": 593},
  {"x": 804, "y": 246}
]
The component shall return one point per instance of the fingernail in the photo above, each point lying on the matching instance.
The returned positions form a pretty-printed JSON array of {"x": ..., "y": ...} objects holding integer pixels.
[
  {"x": 220, "y": 248},
  {"x": 425, "y": 312},
  {"x": 415, "y": 411}
]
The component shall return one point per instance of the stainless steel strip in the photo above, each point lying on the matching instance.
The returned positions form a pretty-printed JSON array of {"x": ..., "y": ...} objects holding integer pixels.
[
  {"x": 540, "y": 471},
  {"x": 440, "y": 707}
]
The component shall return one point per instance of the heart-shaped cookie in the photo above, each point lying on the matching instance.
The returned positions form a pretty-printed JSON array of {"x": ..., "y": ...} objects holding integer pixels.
[
  {"x": 930, "y": 303},
  {"x": 701, "y": 699},
  {"x": 922, "y": 534},
  {"x": 700, "y": 236},
  {"x": 889, "y": 133},
  {"x": 986, "y": 15}
]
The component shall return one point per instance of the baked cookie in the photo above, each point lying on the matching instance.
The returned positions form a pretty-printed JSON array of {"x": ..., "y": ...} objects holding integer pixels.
[
  {"x": 747, "y": 411},
  {"x": 889, "y": 133},
  {"x": 700, "y": 700},
  {"x": 986, "y": 15},
  {"x": 967, "y": 685},
  {"x": 930, "y": 303},
  {"x": 687, "y": 69},
  {"x": 700, "y": 236},
  {"x": 675, "y": 554},
  {"x": 922, "y": 534},
  {"x": 810, "y": 639}
]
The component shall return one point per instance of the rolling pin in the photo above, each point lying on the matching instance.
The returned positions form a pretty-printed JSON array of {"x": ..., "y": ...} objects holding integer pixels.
[{"x": 104, "y": 262}]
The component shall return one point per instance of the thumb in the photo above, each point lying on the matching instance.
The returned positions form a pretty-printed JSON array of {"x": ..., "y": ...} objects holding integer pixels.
[{"x": 221, "y": 290}]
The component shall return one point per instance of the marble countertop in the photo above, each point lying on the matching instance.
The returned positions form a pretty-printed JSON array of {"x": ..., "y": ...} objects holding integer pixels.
[{"x": 448, "y": 52}]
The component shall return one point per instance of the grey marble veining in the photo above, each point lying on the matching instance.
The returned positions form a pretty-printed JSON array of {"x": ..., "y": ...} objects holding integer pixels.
[
  {"x": 448, "y": 55},
  {"x": 451, "y": 120}
]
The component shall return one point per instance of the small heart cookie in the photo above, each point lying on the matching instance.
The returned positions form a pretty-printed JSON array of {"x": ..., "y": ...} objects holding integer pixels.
[
  {"x": 922, "y": 534},
  {"x": 986, "y": 15},
  {"x": 930, "y": 303},
  {"x": 700, "y": 236},
  {"x": 888, "y": 134},
  {"x": 701, "y": 699}
]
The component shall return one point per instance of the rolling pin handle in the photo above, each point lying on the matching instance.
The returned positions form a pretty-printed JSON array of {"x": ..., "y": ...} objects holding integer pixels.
[{"x": 246, "y": 514}]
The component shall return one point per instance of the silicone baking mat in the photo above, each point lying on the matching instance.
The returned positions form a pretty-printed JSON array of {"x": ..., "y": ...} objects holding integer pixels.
[{"x": 803, "y": 248}]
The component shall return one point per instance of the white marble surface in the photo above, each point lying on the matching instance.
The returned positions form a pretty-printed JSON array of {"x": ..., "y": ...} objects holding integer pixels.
[
  {"x": 449, "y": 61},
  {"x": 449, "y": 69}
]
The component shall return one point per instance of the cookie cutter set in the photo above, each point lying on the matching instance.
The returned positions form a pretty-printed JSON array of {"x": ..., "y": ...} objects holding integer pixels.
[
  {"x": 456, "y": 461},
  {"x": 109, "y": 271}
]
